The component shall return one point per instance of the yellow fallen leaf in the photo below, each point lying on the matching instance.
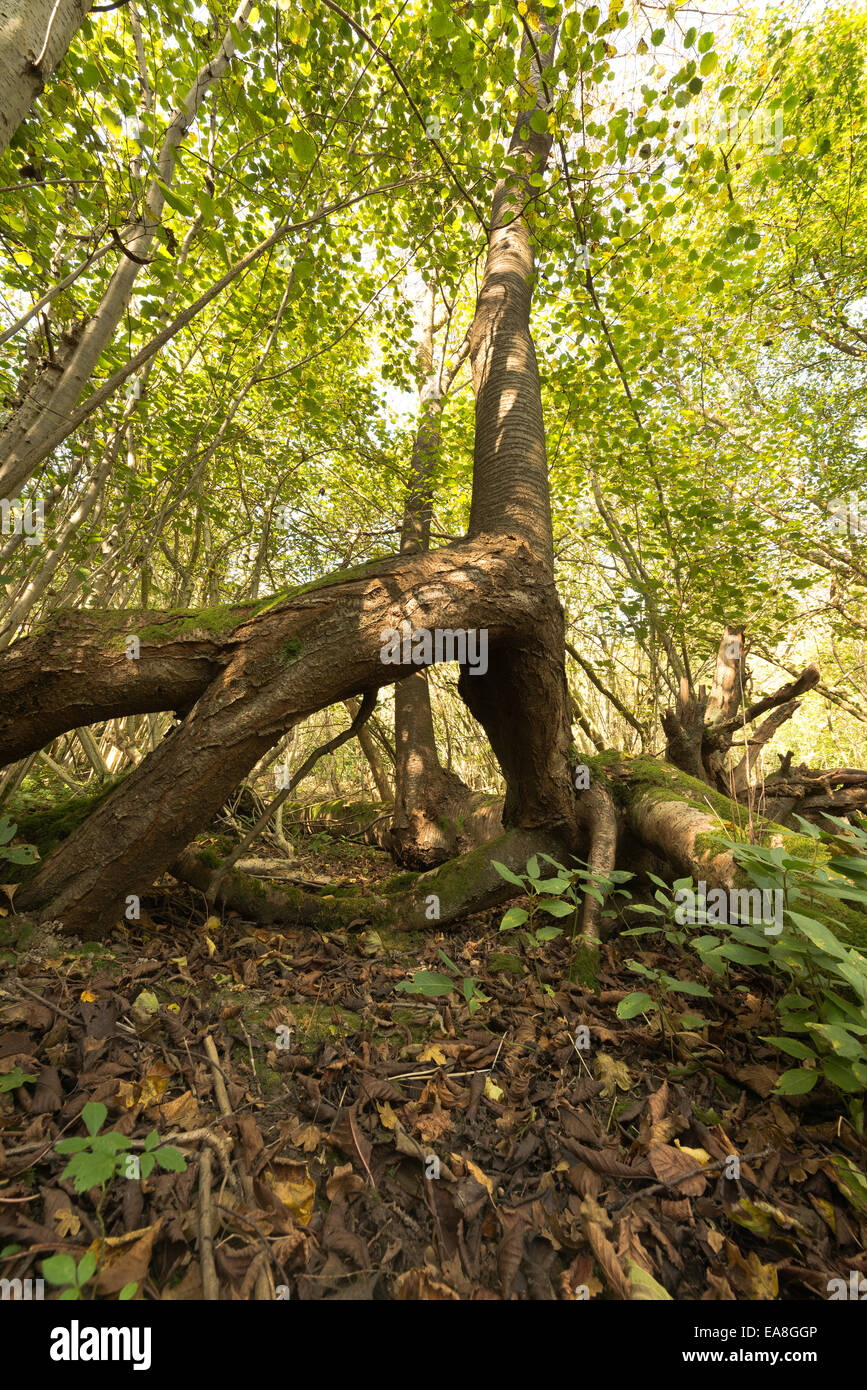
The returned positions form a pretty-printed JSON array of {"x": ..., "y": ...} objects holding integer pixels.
[
  {"x": 296, "y": 1192},
  {"x": 493, "y": 1091},
  {"x": 432, "y": 1053},
  {"x": 612, "y": 1074},
  {"x": 644, "y": 1286},
  {"x": 88, "y": 997},
  {"x": 68, "y": 1224},
  {"x": 387, "y": 1117},
  {"x": 758, "y": 1281},
  {"x": 127, "y": 1258},
  {"x": 213, "y": 924},
  {"x": 479, "y": 1176},
  {"x": 700, "y": 1155}
]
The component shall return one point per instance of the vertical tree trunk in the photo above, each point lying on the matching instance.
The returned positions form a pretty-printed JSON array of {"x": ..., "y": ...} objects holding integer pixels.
[
  {"x": 428, "y": 800},
  {"x": 33, "y": 39},
  {"x": 523, "y": 701},
  {"x": 32, "y": 433}
]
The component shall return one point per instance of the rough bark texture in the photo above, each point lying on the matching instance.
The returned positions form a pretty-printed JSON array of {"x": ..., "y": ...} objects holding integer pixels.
[
  {"x": 307, "y": 650},
  {"x": 429, "y": 801},
  {"x": 278, "y": 667}
]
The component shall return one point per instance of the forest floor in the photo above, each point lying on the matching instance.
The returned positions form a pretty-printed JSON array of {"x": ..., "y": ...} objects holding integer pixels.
[{"x": 384, "y": 1145}]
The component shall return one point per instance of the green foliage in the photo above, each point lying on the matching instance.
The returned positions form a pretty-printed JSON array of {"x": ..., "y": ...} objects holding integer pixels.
[
  {"x": 98, "y": 1159},
  {"x": 63, "y": 1270},
  {"x": 14, "y": 854},
  {"x": 434, "y": 985},
  {"x": 15, "y": 1078},
  {"x": 820, "y": 980}
]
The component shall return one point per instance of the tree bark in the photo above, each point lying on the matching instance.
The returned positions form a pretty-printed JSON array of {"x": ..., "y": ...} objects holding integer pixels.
[
  {"x": 33, "y": 40},
  {"x": 280, "y": 664},
  {"x": 274, "y": 669}
]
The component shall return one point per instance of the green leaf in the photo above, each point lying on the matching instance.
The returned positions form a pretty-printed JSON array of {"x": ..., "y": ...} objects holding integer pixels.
[
  {"x": 90, "y": 1170},
  {"x": 796, "y": 1082},
  {"x": 86, "y": 1268},
  {"x": 303, "y": 148},
  {"x": 689, "y": 987},
  {"x": 555, "y": 907},
  {"x": 692, "y": 1021},
  {"x": 841, "y": 1074},
  {"x": 840, "y": 1040},
  {"x": 427, "y": 982},
  {"x": 507, "y": 873},
  {"x": 819, "y": 934},
  {"x": 59, "y": 1269},
  {"x": 744, "y": 955},
  {"x": 515, "y": 917},
  {"x": 552, "y": 885},
  {"x": 548, "y": 933},
  {"x": 175, "y": 200},
  {"x": 128, "y": 1291},
  {"x": 791, "y": 1047},
  {"x": 171, "y": 1159},
  {"x": 15, "y": 1078},
  {"x": 93, "y": 1115},
  {"x": 636, "y": 1003}
]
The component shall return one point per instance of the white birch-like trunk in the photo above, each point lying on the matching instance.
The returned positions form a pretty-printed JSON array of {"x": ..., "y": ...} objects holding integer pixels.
[{"x": 34, "y": 36}]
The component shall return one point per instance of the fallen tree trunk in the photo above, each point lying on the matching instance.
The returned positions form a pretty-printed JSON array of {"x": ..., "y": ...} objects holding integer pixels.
[{"x": 277, "y": 668}]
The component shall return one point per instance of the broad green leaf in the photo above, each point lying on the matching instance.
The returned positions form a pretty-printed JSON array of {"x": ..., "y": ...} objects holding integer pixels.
[
  {"x": 796, "y": 1082},
  {"x": 515, "y": 917},
  {"x": 636, "y": 1003}
]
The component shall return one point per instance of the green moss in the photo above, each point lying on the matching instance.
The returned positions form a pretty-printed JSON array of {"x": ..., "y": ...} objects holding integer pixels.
[
  {"x": 314, "y": 1024},
  {"x": 333, "y": 577},
  {"x": 188, "y": 622},
  {"x": 46, "y": 824},
  {"x": 16, "y": 932},
  {"x": 397, "y": 883},
  {"x": 600, "y": 762},
  {"x": 209, "y": 858}
]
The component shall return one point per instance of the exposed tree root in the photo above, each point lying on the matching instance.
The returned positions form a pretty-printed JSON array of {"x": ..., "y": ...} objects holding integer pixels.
[
  {"x": 598, "y": 812},
  {"x": 408, "y": 901}
]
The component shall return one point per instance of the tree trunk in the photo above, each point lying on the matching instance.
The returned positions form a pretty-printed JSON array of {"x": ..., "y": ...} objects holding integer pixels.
[
  {"x": 33, "y": 432},
  {"x": 33, "y": 40},
  {"x": 324, "y": 642},
  {"x": 274, "y": 669}
]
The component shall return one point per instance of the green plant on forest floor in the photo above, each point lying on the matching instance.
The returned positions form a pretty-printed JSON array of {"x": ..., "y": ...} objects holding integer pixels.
[
  {"x": 74, "y": 1278},
  {"x": 14, "y": 854},
  {"x": 820, "y": 981},
  {"x": 432, "y": 984},
  {"x": 98, "y": 1159},
  {"x": 559, "y": 895}
]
